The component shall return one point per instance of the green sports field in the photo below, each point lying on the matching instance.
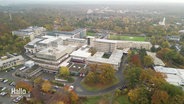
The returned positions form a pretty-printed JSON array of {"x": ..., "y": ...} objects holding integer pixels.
[{"x": 128, "y": 38}]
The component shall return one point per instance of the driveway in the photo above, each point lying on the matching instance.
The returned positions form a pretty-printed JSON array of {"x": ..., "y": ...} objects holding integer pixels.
[{"x": 81, "y": 91}]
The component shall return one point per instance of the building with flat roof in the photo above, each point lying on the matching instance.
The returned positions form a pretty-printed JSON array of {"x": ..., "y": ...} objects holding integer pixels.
[
  {"x": 114, "y": 58},
  {"x": 104, "y": 45},
  {"x": 173, "y": 76},
  {"x": 48, "y": 41},
  {"x": 31, "y": 47},
  {"x": 173, "y": 37},
  {"x": 133, "y": 44},
  {"x": 81, "y": 54},
  {"x": 29, "y": 64},
  {"x": 29, "y": 32},
  {"x": 78, "y": 33},
  {"x": 6, "y": 62},
  {"x": 156, "y": 60},
  {"x": 75, "y": 41},
  {"x": 55, "y": 53}
]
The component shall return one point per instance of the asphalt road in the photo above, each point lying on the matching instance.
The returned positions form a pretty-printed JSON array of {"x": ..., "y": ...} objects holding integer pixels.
[{"x": 81, "y": 91}]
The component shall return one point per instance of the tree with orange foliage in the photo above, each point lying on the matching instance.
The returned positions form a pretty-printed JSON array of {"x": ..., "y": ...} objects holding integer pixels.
[
  {"x": 136, "y": 60},
  {"x": 74, "y": 97},
  {"x": 24, "y": 85},
  {"x": 139, "y": 95},
  {"x": 159, "y": 97},
  {"x": 46, "y": 86}
]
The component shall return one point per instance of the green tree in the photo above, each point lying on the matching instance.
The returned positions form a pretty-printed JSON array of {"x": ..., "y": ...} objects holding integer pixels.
[
  {"x": 64, "y": 71},
  {"x": 132, "y": 75},
  {"x": 182, "y": 50},
  {"x": 165, "y": 44},
  {"x": 148, "y": 61}
]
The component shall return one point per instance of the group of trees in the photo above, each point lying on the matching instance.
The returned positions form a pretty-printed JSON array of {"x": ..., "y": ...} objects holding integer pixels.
[
  {"x": 103, "y": 74},
  {"x": 145, "y": 86},
  {"x": 171, "y": 57},
  {"x": 140, "y": 58},
  {"x": 11, "y": 44},
  {"x": 149, "y": 87},
  {"x": 44, "y": 93}
]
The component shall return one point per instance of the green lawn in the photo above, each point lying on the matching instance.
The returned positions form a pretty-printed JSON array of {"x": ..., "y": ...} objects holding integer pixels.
[
  {"x": 92, "y": 100},
  {"x": 129, "y": 38},
  {"x": 90, "y": 34},
  {"x": 122, "y": 100}
]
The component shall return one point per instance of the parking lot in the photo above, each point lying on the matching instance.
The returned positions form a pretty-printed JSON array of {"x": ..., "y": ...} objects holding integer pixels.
[{"x": 10, "y": 78}]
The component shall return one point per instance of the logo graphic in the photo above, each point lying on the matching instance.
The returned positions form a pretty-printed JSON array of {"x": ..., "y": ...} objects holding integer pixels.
[{"x": 20, "y": 91}]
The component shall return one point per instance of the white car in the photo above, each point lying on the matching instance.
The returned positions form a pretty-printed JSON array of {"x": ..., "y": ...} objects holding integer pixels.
[
  {"x": 4, "y": 88},
  {"x": 17, "y": 99},
  {"x": 6, "y": 80},
  {"x": 3, "y": 93},
  {"x": 22, "y": 68},
  {"x": 71, "y": 88}
]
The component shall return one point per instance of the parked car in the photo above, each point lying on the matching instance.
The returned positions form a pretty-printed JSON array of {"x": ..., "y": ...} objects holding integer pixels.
[
  {"x": 13, "y": 68},
  {"x": 17, "y": 99},
  {"x": 4, "y": 88},
  {"x": 3, "y": 93},
  {"x": 12, "y": 84},
  {"x": 71, "y": 88},
  {"x": 6, "y": 80},
  {"x": 56, "y": 87}
]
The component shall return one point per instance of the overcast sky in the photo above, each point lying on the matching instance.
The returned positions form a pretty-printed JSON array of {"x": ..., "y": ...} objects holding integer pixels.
[{"x": 89, "y": 1}]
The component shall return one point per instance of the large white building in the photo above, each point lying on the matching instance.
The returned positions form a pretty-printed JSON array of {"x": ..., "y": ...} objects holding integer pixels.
[
  {"x": 104, "y": 45},
  {"x": 114, "y": 58},
  {"x": 29, "y": 32},
  {"x": 80, "y": 55},
  {"x": 78, "y": 33},
  {"x": 55, "y": 53},
  {"x": 6, "y": 62},
  {"x": 173, "y": 76}
]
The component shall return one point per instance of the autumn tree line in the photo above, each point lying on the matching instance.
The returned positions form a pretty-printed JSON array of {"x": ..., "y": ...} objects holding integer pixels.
[
  {"x": 145, "y": 86},
  {"x": 42, "y": 92}
]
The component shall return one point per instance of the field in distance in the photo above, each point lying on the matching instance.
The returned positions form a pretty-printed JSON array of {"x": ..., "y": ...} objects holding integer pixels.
[{"x": 128, "y": 38}]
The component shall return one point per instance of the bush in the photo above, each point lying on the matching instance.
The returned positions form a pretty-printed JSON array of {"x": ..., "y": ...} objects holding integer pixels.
[{"x": 57, "y": 83}]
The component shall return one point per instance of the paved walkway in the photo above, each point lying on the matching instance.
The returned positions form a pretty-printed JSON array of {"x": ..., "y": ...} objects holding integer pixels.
[{"x": 81, "y": 91}]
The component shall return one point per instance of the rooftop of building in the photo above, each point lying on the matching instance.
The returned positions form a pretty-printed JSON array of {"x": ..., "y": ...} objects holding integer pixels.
[
  {"x": 181, "y": 31},
  {"x": 77, "y": 39},
  {"x": 115, "y": 56},
  {"x": 82, "y": 52},
  {"x": 58, "y": 33},
  {"x": 174, "y": 76},
  {"x": 48, "y": 39},
  {"x": 166, "y": 70},
  {"x": 6, "y": 59},
  {"x": 34, "y": 41},
  {"x": 117, "y": 41},
  {"x": 106, "y": 41},
  {"x": 156, "y": 60},
  {"x": 56, "y": 50}
]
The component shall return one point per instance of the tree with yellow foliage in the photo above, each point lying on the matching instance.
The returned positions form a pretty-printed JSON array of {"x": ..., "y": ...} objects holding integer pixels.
[
  {"x": 64, "y": 71},
  {"x": 46, "y": 86}
]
